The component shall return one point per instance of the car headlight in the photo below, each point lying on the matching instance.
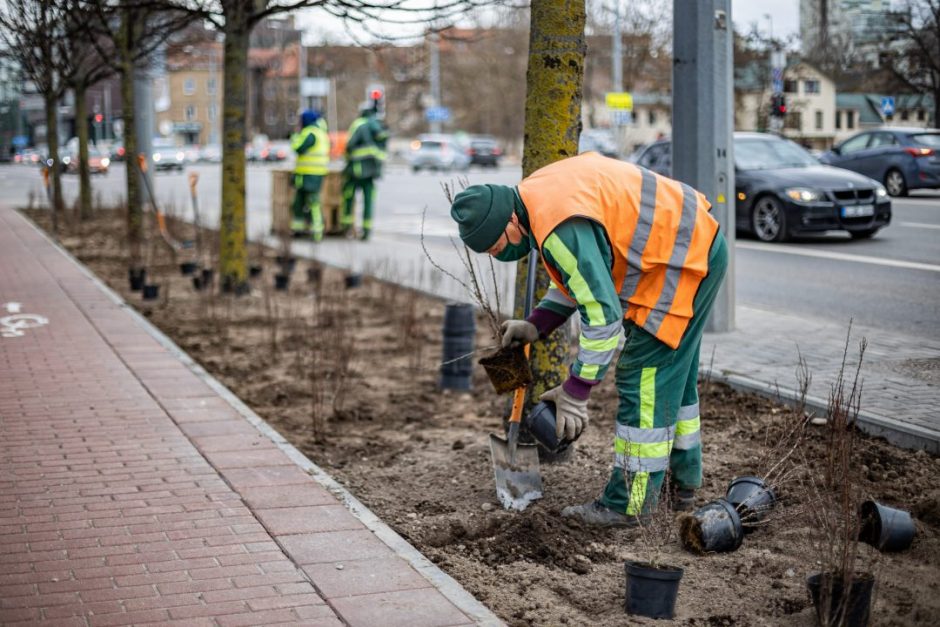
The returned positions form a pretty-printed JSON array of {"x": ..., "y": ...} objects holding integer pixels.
[
  {"x": 803, "y": 194},
  {"x": 156, "y": 156},
  {"x": 881, "y": 193},
  {"x": 180, "y": 156},
  {"x": 105, "y": 162}
]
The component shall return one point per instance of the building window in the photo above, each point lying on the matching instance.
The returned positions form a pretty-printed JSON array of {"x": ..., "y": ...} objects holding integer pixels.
[
  {"x": 210, "y": 86},
  {"x": 213, "y": 113},
  {"x": 905, "y": 115},
  {"x": 270, "y": 117},
  {"x": 651, "y": 117},
  {"x": 790, "y": 87},
  {"x": 270, "y": 91},
  {"x": 189, "y": 87},
  {"x": 849, "y": 120},
  {"x": 190, "y": 113},
  {"x": 811, "y": 87},
  {"x": 794, "y": 121},
  {"x": 838, "y": 119},
  {"x": 921, "y": 115},
  {"x": 819, "y": 120}
]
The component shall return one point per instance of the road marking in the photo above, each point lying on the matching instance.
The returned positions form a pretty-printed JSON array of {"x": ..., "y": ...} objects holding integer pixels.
[
  {"x": 12, "y": 307},
  {"x": 919, "y": 225},
  {"x": 13, "y": 326},
  {"x": 824, "y": 254}
]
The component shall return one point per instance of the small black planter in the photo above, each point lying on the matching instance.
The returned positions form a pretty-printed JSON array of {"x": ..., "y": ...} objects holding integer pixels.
[
  {"x": 832, "y": 609},
  {"x": 885, "y": 528},
  {"x": 137, "y": 277},
  {"x": 752, "y": 498},
  {"x": 198, "y": 284},
  {"x": 314, "y": 274},
  {"x": 187, "y": 267},
  {"x": 287, "y": 263},
  {"x": 353, "y": 280},
  {"x": 712, "y": 528},
  {"x": 281, "y": 281},
  {"x": 151, "y": 291},
  {"x": 254, "y": 271},
  {"x": 651, "y": 591},
  {"x": 540, "y": 422}
]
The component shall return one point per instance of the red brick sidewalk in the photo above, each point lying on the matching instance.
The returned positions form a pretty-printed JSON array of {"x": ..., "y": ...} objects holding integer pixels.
[{"x": 132, "y": 490}]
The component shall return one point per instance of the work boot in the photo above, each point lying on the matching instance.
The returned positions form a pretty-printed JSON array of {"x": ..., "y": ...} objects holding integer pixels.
[
  {"x": 365, "y": 235},
  {"x": 682, "y": 499},
  {"x": 596, "y": 514},
  {"x": 317, "y": 236}
]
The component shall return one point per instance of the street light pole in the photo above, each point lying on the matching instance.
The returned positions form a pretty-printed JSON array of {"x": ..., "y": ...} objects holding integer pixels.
[
  {"x": 435, "y": 79},
  {"x": 617, "y": 51}
]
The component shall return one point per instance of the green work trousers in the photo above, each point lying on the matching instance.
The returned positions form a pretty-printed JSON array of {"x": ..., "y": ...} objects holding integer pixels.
[
  {"x": 658, "y": 417},
  {"x": 305, "y": 211},
  {"x": 350, "y": 185}
]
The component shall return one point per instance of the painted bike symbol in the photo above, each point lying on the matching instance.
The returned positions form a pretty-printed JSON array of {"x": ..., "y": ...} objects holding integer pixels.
[{"x": 15, "y": 324}]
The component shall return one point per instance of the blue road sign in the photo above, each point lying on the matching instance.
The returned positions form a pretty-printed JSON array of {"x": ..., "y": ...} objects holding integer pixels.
[
  {"x": 778, "y": 85},
  {"x": 887, "y": 105},
  {"x": 621, "y": 118},
  {"x": 20, "y": 140},
  {"x": 437, "y": 114}
]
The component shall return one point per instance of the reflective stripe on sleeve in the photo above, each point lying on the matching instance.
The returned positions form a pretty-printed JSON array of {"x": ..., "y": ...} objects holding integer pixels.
[{"x": 578, "y": 287}]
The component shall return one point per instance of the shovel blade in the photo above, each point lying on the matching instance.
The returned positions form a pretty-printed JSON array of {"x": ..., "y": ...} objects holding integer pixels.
[{"x": 518, "y": 482}]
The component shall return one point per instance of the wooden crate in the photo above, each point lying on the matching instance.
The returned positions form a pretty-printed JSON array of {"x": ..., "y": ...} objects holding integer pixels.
[{"x": 282, "y": 198}]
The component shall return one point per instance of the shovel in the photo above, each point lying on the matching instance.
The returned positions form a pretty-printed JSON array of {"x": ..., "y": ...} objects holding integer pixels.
[{"x": 516, "y": 466}]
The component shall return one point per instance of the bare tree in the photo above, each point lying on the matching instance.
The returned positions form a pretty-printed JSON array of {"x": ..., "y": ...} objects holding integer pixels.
[
  {"x": 913, "y": 54},
  {"x": 32, "y": 32}
]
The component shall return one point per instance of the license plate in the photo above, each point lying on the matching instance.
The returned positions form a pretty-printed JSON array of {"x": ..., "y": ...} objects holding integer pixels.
[{"x": 858, "y": 211}]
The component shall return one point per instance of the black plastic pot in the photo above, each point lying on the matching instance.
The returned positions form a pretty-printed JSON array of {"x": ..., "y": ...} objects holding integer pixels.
[
  {"x": 353, "y": 280},
  {"x": 651, "y": 591},
  {"x": 832, "y": 608},
  {"x": 885, "y": 528},
  {"x": 254, "y": 271},
  {"x": 540, "y": 423},
  {"x": 314, "y": 274},
  {"x": 151, "y": 291},
  {"x": 137, "y": 277},
  {"x": 187, "y": 267},
  {"x": 712, "y": 528},
  {"x": 457, "y": 359},
  {"x": 281, "y": 281},
  {"x": 752, "y": 498},
  {"x": 207, "y": 274},
  {"x": 287, "y": 263}
]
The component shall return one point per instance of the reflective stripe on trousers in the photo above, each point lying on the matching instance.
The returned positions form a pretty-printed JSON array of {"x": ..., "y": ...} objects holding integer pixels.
[{"x": 688, "y": 428}]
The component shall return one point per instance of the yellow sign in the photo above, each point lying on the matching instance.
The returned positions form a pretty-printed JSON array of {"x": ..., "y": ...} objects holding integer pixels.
[{"x": 622, "y": 100}]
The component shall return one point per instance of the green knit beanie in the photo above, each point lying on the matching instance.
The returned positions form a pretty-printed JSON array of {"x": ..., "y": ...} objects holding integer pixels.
[{"x": 482, "y": 213}]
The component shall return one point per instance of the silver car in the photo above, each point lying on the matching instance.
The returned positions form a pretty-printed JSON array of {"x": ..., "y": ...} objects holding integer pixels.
[{"x": 440, "y": 152}]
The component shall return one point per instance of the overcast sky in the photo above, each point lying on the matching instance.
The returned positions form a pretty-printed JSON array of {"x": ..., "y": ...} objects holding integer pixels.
[{"x": 784, "y": 19}]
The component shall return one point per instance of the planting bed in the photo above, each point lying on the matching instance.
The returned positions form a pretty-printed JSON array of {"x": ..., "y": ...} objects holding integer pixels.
[{"x": 420, "y": 459}]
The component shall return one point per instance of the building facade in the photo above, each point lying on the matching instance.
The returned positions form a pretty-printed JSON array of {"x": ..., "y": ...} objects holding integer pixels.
[{"x": 188, "y": 98}]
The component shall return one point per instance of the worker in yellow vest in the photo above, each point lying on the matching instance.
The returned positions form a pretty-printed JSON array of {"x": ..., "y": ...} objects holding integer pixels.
[
  {"x": 312, "y": 145},
  {"x": 634, "y": 252},
  {"x": 365, "y": 154}
]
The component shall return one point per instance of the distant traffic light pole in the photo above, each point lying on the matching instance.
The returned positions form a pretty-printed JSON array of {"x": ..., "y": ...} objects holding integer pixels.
[{"x": 703, "y": 122}]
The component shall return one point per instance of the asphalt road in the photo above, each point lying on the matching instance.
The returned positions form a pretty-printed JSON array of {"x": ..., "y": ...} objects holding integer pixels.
[{"x": 891, "y": 281}]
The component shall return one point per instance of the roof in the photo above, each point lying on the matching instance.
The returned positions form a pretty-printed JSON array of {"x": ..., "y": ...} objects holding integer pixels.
[{"x": 867, "y": 105}]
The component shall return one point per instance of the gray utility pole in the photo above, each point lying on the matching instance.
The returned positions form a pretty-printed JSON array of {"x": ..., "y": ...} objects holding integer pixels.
[
  {"x": 703, "y": 121},
  {"x": 143, "y": 118},
  {"x": 617, "y": 51},
  {"x": 435, "y": 78}
]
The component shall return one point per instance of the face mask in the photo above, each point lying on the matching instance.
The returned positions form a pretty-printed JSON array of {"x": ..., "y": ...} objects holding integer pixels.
[{"x": 515, "y": 252}]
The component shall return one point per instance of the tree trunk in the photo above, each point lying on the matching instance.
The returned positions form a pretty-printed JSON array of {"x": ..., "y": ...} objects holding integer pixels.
[
  {"x": 552, "y": 126},
  {"x": 135, "y": 215},
  {"x": 233, "y": 259},
  {"x": 52, "y": 141},
  {"x": 81, "y": 127}
]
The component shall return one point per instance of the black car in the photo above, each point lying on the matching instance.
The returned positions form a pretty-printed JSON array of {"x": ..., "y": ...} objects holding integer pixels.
[
  {"x": 485, "y": 152},
  {"x": 782, "y": 191},
  {"x": 901, "y": 158}
]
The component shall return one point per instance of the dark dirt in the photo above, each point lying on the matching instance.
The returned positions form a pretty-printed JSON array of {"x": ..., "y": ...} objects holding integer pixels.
[{"x": 350, "y": 377}]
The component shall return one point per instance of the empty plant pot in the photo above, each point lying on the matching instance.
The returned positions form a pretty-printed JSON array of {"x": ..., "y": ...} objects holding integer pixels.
[
  {"x": 353, "y": 280},
  {"x": 287, "y": 263},
  {"x": 187, "y": 267},
  {"x": 885, "y": 528},
  {"x": 540, "y": 422},
  {"x": 314, "y": 274},
  {"x": 254, "y": 271},
  {"x": 198, "y": 284},
  {"x": 651, "y": 591},
  {"x": 457, "y": 359},
  {"x": 137, "y": 277},
  {"x": 507, "y": 369},
  {"x": 207, "y": 274},
  {"x": 712, "y": 528},
  {"x": 752, "y": 498},
  {"x": 151, "y": 292},
  {"x": 281, "y": 281},
  {"x": 832, "y": 606}
]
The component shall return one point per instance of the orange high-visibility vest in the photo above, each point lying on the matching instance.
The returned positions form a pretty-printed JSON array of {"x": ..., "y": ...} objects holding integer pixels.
[{"x": 660, "y": 233}]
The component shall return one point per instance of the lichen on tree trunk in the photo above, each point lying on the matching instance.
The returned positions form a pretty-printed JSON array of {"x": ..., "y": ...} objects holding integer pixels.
[
  {"x": 552, "y": 126},
  {"x": 233, "y": 259}
]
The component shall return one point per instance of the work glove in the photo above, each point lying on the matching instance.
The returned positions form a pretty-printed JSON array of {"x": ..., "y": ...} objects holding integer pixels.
[
  {"x": 519, "y": 331},
  {"x": 571, "y": 414}
]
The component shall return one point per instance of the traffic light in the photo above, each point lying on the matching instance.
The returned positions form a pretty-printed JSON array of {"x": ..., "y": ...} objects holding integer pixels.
[
  {"x": 778, "y": 105},
  {"x": 99, "y": 118},
  {"x": 375, "y": 93}
]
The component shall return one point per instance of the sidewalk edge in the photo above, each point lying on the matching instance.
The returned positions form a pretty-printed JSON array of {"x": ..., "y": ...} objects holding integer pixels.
[
  {"x": 447, "y": 585},
  {"x": 896, "y": 432}
]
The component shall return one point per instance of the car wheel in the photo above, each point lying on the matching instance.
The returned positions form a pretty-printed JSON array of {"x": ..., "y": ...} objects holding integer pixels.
[
  {"x": 895, "y": 183},
  {"x": 767, "y": 220},
  {"x": 866, "y": 234}
]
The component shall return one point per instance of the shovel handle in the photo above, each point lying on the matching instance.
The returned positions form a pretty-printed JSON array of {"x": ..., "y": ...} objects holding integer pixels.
[{"x": 518, "y": 397}]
